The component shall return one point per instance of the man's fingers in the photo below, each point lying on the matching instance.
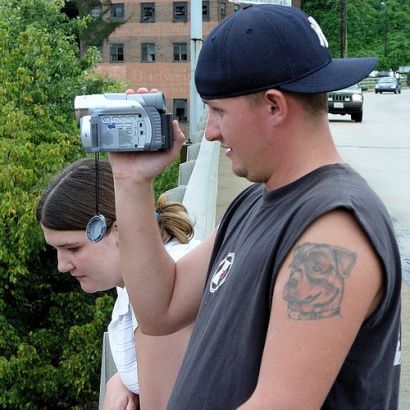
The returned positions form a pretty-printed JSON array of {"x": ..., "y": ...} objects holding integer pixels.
[
  {"x": 141, "y": 90},
  {"x": 178, "y": 135}
]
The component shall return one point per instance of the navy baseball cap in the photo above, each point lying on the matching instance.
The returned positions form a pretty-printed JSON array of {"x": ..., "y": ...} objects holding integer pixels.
[{"x": 269, "y": 46}]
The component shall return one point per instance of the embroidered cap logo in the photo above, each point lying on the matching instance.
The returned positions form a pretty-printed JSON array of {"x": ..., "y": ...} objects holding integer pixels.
[{"x": 316, "y": 28}]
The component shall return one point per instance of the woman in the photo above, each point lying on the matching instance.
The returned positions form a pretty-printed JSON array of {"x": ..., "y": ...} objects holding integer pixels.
[{"x": 64, "y": 210}]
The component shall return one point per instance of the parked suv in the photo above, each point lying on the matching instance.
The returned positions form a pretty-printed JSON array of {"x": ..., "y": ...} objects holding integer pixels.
[
  {"x": 388, "y": 85},
  {"x": 347, "y": 101}
]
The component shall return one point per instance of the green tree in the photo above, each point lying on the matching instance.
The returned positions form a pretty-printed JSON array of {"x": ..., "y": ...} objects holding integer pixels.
[
  {"x": 378, "y": 28},
  {"x": 99, "y": 26},
  {"x": 50, "y": 332}
]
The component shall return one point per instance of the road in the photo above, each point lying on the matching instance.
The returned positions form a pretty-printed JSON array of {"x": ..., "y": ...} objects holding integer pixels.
[{"x": 379, "y": 148}]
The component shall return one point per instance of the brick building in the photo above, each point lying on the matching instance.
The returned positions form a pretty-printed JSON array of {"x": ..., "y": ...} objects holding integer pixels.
[{"x": 152, "y": 47}]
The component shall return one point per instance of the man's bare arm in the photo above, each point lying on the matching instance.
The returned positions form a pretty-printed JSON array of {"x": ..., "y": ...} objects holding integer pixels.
[
  {"x": 328, "y": 285},
  {"x": 165, "y": 295}
]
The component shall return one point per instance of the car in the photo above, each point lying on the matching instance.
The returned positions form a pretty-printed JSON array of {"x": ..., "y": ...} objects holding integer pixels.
[
  {"x": 347, "y": 101},
  {"x": 387, "y": 85}
]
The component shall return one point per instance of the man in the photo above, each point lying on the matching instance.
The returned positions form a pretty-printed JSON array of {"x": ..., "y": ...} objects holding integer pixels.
[{"x": 296, "y": 297}]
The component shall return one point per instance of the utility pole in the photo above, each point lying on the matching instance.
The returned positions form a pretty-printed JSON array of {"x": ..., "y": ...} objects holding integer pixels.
[
  {"x": 196, "y": 43},
  {"x": 385, "y": 29},
  {"x": 343, "y": 28}
]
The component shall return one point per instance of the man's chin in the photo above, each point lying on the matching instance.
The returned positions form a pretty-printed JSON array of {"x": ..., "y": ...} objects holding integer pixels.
[
  {"x": 240, "y": 172},
  {"x": 243, "y": 173}
]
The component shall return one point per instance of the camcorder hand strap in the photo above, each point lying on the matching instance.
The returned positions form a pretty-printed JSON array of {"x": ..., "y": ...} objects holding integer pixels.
[{"x": 97, "y": 225}]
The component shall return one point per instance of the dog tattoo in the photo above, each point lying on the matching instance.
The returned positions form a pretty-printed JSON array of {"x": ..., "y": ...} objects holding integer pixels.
[{"x": 316, "y": 282}]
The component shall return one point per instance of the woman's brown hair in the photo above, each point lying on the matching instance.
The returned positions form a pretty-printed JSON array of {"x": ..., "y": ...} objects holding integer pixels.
[{"x": 69, "y": 202}]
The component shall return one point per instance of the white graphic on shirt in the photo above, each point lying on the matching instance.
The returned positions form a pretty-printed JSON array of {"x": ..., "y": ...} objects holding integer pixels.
[
  {"x": 221, "y": 273},
  {"x": 397, "y": 357},
  {"x": 319, "y": 32}
]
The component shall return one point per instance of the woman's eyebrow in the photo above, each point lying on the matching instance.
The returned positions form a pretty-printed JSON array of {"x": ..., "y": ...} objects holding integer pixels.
[{"x": 67, "y": 244}]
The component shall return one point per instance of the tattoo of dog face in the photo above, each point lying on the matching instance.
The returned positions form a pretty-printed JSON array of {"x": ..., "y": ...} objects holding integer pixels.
[{"x": 316, "y": 282}]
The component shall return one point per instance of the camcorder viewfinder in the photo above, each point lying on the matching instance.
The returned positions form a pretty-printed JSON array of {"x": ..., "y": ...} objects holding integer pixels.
[{"x": 116, "y": 122}]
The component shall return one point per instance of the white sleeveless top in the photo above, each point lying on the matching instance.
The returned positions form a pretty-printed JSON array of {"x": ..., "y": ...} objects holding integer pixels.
[{"x": 123, "y": 325}]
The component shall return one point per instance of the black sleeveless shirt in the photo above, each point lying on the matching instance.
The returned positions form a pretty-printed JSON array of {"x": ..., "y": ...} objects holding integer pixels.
[{"x": 221, "y": 366}]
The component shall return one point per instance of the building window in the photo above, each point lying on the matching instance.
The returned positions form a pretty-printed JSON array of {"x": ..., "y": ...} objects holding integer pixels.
[
  {"x": 180, "y": 11},
  {"x": 205, "y": 10},
  {"x": 222, "y": 11},
  {"x": 180, "y": 52},
  {"x": 147, "y": 12},
  {"x": 117, "y": 53},
  {"x": 180, "y": 109},
  {"x": 148, "y": 52},
  {"x": 95, "y": 12},
  {"x": 117, "y": 11}
]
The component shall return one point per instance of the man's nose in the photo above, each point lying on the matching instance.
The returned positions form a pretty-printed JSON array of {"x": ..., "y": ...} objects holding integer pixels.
[{"x": 212, "y": 132}]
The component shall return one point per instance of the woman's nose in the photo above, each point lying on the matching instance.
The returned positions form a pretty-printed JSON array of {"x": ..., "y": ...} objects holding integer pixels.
[{"x": 64, "y": 264}]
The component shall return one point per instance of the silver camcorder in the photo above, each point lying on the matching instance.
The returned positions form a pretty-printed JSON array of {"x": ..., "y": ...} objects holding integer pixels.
[{"x": 124, "y": 122}]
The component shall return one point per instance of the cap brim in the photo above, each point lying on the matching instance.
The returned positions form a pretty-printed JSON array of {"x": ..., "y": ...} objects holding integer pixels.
[{"x": 338, "y": 74}]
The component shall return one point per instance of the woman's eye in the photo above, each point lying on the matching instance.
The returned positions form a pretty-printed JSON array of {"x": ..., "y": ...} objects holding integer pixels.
[{"x": 73, "y": 249}]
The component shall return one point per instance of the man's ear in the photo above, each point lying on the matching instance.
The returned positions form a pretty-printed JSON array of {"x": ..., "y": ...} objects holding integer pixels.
[{"x": 278, "y": 105}]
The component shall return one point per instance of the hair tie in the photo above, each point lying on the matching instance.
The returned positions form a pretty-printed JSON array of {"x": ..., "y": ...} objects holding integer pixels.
[{"x": 157, "y": 215}]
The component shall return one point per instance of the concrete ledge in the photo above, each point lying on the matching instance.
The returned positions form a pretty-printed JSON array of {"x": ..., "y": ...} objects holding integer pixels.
[
  {"x": 201, "y": 192},
  {"x": 193, "y": 151},
  {"x": 185, "y": 171},
  {"x": 108, "y": 369},
  {"x": 176, "y": 194}
]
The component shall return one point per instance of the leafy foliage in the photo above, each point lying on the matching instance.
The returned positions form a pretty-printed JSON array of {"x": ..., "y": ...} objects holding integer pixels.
[
  {"x": 98, "y": 27},
  {"x": 378, "y": 28},
  {"x": 166, "y": 180},
  {"x": 50, "y": 331}
]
